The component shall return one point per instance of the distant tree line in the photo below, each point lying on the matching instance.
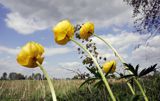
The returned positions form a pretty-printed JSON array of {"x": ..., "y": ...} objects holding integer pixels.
[
  {"x": 19, "y": 76},
  {"x": 38, "y": 76}
]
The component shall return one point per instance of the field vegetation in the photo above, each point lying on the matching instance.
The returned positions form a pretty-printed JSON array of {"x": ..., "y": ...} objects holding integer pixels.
[{"x": 68, "y": 90}]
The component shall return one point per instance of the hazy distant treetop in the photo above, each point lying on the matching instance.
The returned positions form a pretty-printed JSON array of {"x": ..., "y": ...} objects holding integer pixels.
[{"x": 147, "y": 15}]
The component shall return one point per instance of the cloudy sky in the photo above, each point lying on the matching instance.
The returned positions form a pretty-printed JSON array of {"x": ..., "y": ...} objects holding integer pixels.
[{"x": 32, "y": 20}]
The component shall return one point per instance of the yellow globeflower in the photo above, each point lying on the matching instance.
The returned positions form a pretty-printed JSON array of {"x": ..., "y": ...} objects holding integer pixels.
[
  {"x": 29, "y": 54},
  {"x": 86, "y": 30},
  {"x": 63, "y": 31},
  {"x": 108, "y": 65}
]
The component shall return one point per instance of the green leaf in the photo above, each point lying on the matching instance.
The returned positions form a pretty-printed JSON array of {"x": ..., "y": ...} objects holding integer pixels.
[
  {"x": 87, "y": 81},
  {"x": 94, "y": 71},
  {"x": 127, "y": 76},
  {"x": 98, "y": 84},
  {"x": 147, "y": 70},
  {"x": 137, "y": 67},
  {"x": 131, "y": 68}
]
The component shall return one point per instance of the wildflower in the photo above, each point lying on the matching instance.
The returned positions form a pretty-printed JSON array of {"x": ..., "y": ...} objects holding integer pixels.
[
  {"x": 29, "y": 54},
  {"x": 63, "y": 31},
  {"x": 86, "y": 30},
  {"x": 108, "y": 65}
]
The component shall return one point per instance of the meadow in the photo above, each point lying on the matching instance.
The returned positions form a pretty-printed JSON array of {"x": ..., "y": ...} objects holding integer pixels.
[{"x": 68, "y": 90}]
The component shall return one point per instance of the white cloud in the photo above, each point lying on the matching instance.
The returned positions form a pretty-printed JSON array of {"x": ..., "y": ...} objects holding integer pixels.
[
  {"x": 115, "y": 29},
  {"x": 74, "y": 64},
  {"x": 155, "y": 41},
  {"x": 132, "y": 47},
  {"x": 32, "y": 15},
  {"x": 48, "y": 51},
  {"x": 122, "y": 41},
  {"x": 56, "y": 51},
  {"x": 24, "y": 25},
  {"x": 9, "y": 64},
  {"x": 12, "y": 51},
  {"x": 148, "y": 53}
]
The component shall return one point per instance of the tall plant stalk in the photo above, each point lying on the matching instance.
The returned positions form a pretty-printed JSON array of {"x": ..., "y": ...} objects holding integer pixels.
[
  {"x": 99, "y": 69},
  {"x": 49, "y": 81},
  {"x": 120, "y": 58}
]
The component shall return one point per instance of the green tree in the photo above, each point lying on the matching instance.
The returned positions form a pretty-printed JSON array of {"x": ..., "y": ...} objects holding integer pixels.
[
  {"x": 4, "y": 76},
  {"x": 147, "y": 15}
]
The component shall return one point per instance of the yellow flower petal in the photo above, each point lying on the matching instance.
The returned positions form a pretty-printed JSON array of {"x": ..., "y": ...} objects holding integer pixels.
[
  {"x": 40, "y": 48},
  {"x": 63, "y": 31},
  {"x": 34, "y": 50},
  {"x": 30, "y": 63},
  {"x": 62, "y": 42},
  {"x": 70, "y": 31},
  {"x": 29, "y": 54},
  {"x": 108, "y": 65},
  {"x": 40, "y": 59},
  {"x": 21, "y": 59},
  {"x": 86, "y": 30},
  {"x": 26, "y": 49}
]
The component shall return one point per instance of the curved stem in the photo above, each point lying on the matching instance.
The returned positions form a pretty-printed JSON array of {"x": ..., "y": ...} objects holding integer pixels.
[
  {"x": 49, "y": 81},
  {"x": 113, "y": 49},
  {"x": 131, "y": 88},
  {"x": 116, "y": 53},
  {"x": 140, "y": 87},
  {"x": 99, "y": 69}
]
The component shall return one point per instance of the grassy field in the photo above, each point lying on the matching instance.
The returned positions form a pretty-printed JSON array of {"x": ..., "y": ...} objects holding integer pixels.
[
  {"x": 68, "y": 90},
  {"x": 34, "y": 90}
]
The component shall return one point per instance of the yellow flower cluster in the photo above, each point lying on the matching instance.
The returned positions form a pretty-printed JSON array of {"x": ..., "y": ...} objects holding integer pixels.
[
  {"x": 63, "y": 32},
  {"x": 31, "y": 54}
]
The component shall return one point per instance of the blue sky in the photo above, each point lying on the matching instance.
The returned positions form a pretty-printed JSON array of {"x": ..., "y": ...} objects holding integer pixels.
[{"x": 22, "y": 21}]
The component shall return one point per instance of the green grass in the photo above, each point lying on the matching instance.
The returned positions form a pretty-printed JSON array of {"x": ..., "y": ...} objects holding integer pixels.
[
  {"x": 34, "y": 90},
  {"x": 68, "y": 90}
]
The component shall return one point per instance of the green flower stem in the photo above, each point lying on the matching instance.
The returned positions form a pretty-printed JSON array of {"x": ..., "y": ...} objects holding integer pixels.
[
  {"x": 140, "y": 87},
  {"x": 131, "y": 88},
  {"x": 113, "y": 49},
  {"x": 116, "y": 53},
  {"x": 99, "y": 69},
  {"x": 49, "y": 81}
]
